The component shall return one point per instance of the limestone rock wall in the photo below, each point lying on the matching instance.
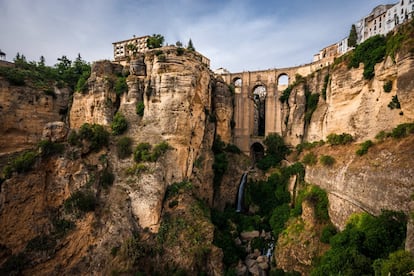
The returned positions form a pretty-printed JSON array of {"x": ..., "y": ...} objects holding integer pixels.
[
  {"x": 360, "y": 107},
  {"x": 24, "y": 112},
  {"x": 99, "y": 103},
  {"x": 381, "y": 179}
]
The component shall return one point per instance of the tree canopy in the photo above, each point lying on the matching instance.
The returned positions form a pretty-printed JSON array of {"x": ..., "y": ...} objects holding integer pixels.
[
  {"x": 353, "y": 37},
  {"x": 155, "y": 41}
]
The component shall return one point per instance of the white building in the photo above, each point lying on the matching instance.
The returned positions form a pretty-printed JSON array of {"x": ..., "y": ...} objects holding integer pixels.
[
  {"x": 383, "y": 19},
  {"x": 122, "y": 51}
]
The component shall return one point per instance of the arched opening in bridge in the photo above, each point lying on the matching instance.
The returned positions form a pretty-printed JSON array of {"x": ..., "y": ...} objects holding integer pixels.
[
  {"x": 259, "y": 98},
  {"x": 282, "y": 81},
  {"x": 237, "y": 82},
  {"x": 257, "y": 151}
]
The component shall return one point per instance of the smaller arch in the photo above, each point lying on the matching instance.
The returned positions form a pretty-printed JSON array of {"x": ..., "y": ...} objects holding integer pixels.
[
  {"x": 259, "y": 91},
  {"x": 283, "y": 79},
  {"x": 237, "y": 82},
  {"x": 257, "y": 151}
]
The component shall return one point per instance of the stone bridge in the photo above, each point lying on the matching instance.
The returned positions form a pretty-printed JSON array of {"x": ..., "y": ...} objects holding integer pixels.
[{"x": 257, "y": 110}]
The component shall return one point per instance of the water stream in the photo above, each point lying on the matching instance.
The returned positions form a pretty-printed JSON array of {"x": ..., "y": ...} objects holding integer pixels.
[{"x": 240, "y": 193}]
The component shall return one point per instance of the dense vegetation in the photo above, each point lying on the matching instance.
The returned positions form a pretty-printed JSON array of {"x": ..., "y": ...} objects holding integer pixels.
[
  {"x": 366, "y": 240},
  {"x": 276, "y": 151},
  {"x": 370, "y": 52},
  {"x": 38, "y": 75}
]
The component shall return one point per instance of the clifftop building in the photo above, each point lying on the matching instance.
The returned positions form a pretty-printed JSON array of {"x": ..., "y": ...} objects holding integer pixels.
[{"x": 122, "y": 50}]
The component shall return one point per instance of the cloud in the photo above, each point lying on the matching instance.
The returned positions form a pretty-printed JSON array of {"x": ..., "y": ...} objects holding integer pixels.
[{"x": 238, "y": 35}]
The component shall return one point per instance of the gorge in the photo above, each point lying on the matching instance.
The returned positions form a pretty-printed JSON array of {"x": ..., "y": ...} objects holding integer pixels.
[{"x": 138, "y": 171}]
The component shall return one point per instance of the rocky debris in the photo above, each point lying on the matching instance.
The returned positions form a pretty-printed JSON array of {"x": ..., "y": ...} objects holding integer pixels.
[
  {"x": 257, "y": 264},
  {"x": 55, "y": 131},
  {"x": 247, "y": 236}
]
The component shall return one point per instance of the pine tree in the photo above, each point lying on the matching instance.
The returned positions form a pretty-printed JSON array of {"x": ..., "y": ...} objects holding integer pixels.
[
  {"x": 190, "y": 45},
  {"x": 353, "y": 37}
]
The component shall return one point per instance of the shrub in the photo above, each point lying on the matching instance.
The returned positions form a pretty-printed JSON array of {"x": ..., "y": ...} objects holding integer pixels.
[
  {"x": 382, "y": 135},
  {"x": 307, "y": 145},
  {"x": 73, "y": 138},
  {"x": 142, "y": 152},
  {"x": 107, "y": 178},
  {"x": 180, "y": 51},
  {"x": 400, "y": 262},
  {"x": 121, "y": 86},
  {"x": 328, "y": 232},
  {"x": 395, "y": 103},
  {"x": 123, "y": 146},
  {"x": 402, "y": 130},
  {"x": 48, "y": 148},
  {"x": 140, "y": 107},
  {"x": 22, "y": 163},
  {"x": 175, "y": 188},
  {"x": 95, "y": 134},
  {"x": 319, "y": 199},
  {"x": 363, "y": 148},
  {"x": 119, "y": 124},
  {"x": 310, "y": 159},
  {"x": 327, "y": 160},
  {"x": 81, "y": 201},
  {"x": 158, "y": 150},
  {"x": 388, "y": 86},
  {"x": 339, "y": 139}
]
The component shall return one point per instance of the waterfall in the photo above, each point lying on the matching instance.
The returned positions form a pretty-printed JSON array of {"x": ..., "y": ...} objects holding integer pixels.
[{"x": 240, "y": 193}]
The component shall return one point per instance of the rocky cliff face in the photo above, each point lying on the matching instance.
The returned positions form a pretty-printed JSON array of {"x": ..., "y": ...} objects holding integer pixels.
[
  {"x": 353, "y": 105},
  {"x": 25, "y": 111},
  {"x": 177, "y": 92}
]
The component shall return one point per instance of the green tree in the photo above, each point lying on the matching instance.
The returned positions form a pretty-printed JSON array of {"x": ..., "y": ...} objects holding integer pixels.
[
  {"x": 353, "y": 37},
  {"x": 155, "y": 41},
  {"x": 119, "y": 124},
  {"x": 190, "y": 45}
]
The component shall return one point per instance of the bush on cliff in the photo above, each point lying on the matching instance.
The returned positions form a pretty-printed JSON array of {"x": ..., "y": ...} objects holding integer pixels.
[
  {"x": 22, "y": 163},
  {"x": 370, "y": 52},
  {"x": 339, "y": 139},
  {"x": 119, "y": 124},
  {"x": 123, "y": 146},
  {"x": 95, "y": 134}
]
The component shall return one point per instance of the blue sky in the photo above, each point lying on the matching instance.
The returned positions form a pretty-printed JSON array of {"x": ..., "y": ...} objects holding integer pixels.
[{"x": 240, "y": 35}]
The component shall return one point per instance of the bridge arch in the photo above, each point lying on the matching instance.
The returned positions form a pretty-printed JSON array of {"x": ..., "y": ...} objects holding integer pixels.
[
  {"x": 259, "y": 99},
  {"x": 237, "y": 83},
  {"x": 257, "y": 151},
  {"x": 282, "y": 81}
]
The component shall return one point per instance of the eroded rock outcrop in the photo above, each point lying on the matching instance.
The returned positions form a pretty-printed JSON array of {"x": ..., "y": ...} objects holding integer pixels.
[{"x": 24, "y": 112}]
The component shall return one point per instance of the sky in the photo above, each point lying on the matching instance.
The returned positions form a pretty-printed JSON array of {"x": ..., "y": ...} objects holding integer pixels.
[{"x": 239, "y": 35}]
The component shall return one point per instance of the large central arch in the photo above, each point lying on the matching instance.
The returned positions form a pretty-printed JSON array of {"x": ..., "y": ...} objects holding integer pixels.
[{"x": 259, "y": 98}]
